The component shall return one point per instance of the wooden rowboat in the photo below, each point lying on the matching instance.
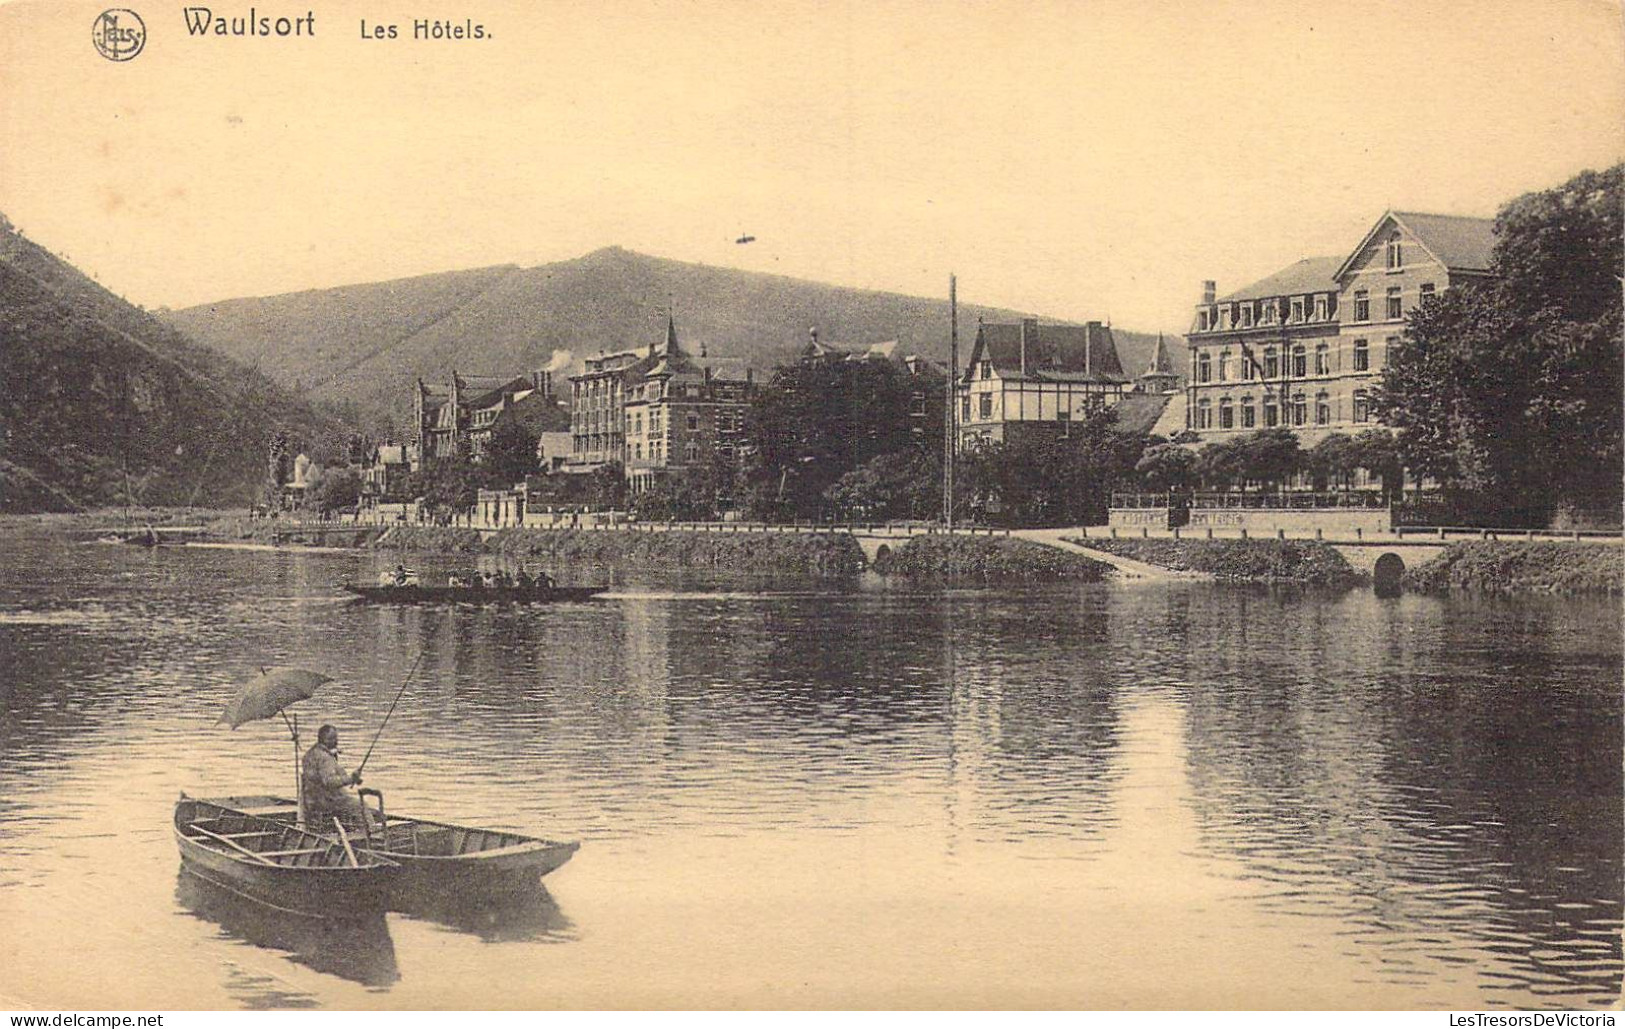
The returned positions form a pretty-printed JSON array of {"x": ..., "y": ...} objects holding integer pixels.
[
  {"x": 280, "y": 865},
  {"x": 418, "y": 594},
  {"x": 436, "y": 858}
]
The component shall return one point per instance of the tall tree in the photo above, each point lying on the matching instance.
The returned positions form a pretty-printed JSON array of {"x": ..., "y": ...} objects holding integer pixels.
[{"x": 1512, "y": 389}]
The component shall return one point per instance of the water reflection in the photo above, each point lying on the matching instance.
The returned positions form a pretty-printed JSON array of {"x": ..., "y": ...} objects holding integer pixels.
[
  {"x": 1432, "y": 805},
  {"x": 525, "y": 914},
  {"x": 1424, "y": 792},
  {"x": 359, "y": 950}
]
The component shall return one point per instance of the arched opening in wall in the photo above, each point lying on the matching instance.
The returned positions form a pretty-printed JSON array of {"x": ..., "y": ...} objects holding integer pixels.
[
  {"x": 882, "y": 553},
  {"x": 1386, "y": 575}
]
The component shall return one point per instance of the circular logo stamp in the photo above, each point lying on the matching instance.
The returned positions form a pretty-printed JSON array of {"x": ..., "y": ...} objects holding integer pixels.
[{"x": 119, "y": 34}]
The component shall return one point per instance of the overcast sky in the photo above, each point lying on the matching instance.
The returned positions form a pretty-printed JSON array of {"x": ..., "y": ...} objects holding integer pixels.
[{"x": 1083, "y": 160}]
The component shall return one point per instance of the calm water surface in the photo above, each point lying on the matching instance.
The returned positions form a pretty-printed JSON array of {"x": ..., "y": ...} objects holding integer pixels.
[{"x": 835, "y": 795}]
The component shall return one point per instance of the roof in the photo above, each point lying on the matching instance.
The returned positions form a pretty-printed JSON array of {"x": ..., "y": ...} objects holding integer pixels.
[
  {"x": 1137, "y": 413},
  {"x": 1459, "y": 243},
  {"x": 1161, "y": 363},
  {"x": 1310, "y": 275},
  {"x": 1172, "y": 420},
  {"x": 1054, "y": 353}
]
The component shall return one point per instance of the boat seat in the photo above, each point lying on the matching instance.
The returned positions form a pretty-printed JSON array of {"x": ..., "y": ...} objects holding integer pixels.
[
  {"x": 249, "y": 835},
  {"x": 291, "y": 853}
]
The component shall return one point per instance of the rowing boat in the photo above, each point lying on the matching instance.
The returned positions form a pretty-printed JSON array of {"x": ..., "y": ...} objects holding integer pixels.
[
  {"x": 436, "y": 858},
  {"x": 279, "y": 864},
  {"x": 418, "y": 594}
]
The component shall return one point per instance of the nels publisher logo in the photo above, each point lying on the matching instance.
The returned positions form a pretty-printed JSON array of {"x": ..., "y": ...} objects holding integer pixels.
[{"x": 119, "y": 34}]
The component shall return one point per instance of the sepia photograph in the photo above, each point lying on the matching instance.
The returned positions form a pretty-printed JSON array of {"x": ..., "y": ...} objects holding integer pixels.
[{"x": 812, "y": 505}]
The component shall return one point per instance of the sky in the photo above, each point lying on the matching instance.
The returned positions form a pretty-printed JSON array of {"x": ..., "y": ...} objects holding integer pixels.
[{"x": 1080, "y": 160}]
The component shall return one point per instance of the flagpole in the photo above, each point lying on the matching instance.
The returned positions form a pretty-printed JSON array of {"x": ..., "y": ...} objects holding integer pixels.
[{"x": 951, "y": 399}]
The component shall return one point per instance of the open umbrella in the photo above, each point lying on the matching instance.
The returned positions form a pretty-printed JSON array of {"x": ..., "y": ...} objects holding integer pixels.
[{"x": 269, "y": 694}]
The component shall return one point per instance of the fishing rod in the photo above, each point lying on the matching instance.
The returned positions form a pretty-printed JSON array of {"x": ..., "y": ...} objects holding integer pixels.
[{"x": 398, "y": 694}]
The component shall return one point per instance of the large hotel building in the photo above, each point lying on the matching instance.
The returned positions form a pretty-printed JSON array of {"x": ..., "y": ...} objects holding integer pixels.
[{"x": 1305, "y": 347}]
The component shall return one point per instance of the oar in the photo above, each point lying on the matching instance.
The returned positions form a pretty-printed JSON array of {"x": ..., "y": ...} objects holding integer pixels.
[{"x": 344, "y": 838}]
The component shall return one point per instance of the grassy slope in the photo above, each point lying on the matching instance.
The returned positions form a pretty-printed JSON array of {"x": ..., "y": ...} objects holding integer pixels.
[{"x": 1513, "y": 566}]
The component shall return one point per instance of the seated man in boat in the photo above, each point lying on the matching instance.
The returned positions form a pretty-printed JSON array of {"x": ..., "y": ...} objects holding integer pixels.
[{"x": 324, "y": 783}]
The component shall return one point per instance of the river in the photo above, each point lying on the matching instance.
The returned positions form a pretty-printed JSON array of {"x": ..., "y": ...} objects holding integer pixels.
[{"x": 849, "y": 794}]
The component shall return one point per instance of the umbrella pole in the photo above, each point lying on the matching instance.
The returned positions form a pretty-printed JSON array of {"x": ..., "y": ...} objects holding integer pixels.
[{"x": 298, "y": 780}]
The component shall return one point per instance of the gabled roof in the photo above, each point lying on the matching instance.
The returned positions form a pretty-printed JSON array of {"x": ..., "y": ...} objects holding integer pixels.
[
  {"x": 1054, "y": 353},
  {"x": 1138, "y": 412},
  {"x": 1459, "y": 243},
  {"x": 1310, "y": 275}
]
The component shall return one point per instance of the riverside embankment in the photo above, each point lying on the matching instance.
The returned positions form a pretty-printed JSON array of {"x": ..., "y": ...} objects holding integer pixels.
[{"x": 1297, "y": 561}]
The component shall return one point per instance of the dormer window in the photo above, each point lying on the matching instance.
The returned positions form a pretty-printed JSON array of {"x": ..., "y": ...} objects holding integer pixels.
[
  {"x": 1320, "y": 308},
  {"x": 1224, "y": 316},
  {"x": 1297, "y": 310},
  {"x": 1246, "y": 316},
  {"x": 1202, "y": 320}
]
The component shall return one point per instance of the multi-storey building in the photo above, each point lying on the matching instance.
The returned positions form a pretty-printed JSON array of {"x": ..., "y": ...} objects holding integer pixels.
[
  {"x": 457, "y": 419},
  {"x": 927, "y": 379},
  {"x": 658, "y": 413},
  {"x": 1305, "y": 347},
  {"x": 598, "y": 410},
  {"x": 1032, "y": 379}
]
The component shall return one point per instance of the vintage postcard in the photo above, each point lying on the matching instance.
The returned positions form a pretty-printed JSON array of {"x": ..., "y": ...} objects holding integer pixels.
[{"x": 811, "y": 505}]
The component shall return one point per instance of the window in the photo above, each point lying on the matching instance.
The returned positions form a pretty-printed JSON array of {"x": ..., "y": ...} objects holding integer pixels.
[
  {"x": 691, "y": 453},
  {"x": 987, "y": 369},
  {"x": 1246, "y": 363},
  {"x": 1425, "y": 294},
  {"x": 1300, "y": 362},
  {"x": 916, "y": 404},
  {"x": 1270, "y": 312},
  {"x": 1396, "y": 253},
  {"x": 1362, "y": 406},
  {"x": 1394, "y": 300},
  {"x": 1204, "y": 414},
  {"x": 1362, "y": 306},
  {"x": 987, "y": 406},
  {"x": 1202, "y": 320},
  {"x": 964, "y": 408},
  {"x": 1248, "y": 415},
  {"x": 1204, "y": 369},
  {"x": 1323, "y": 409},
  {"x": 1300, "y": 409},
  {"x": 1322, "y": 364},
  {"x": 1224, "y": 366},
  {"x": 1320, "y": 308},
  {"x": 638, "y": 451},
  {"x": 1297, "y": 309},
  {"x": 1244, "y": 316},
  {"x": 1362, "y": 356},
  {"x": 693, "y": 422},
  {"x": 1272, "y": 363},
  {"x": 1272, "y": 417},
  {"x": 1224, "y": 316},
  {"x": 1227, "y": 414}
]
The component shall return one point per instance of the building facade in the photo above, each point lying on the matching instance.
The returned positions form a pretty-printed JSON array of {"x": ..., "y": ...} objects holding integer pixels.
[
  {"x": 1028, "y": 379},
  {"x": 657, "y": 413},
  {"x": 457, "y": 419},
  {"x": 1305, "y": 347}
]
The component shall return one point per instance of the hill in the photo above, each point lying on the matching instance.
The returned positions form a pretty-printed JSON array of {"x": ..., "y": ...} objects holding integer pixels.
[
  {"x": 366, "y": 344},
  {"x": 96, "y": 394}
]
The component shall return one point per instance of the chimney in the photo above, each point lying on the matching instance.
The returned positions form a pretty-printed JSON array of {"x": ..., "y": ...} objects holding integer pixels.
[
  {"x": 1210, "y": 291},
  {"x": 1029, "y": 330}
]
